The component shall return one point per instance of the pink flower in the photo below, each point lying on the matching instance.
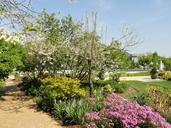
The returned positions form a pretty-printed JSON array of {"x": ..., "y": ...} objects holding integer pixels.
[{"x": 119, "y": 111}]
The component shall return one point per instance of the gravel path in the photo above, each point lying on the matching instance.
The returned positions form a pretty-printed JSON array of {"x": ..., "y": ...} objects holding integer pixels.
[
  {"x": 19, "y": 111},
  {"x": 140, "y": 78}
]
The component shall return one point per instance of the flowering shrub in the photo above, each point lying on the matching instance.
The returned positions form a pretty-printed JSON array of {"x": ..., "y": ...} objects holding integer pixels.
[
  {"x": 120, "y": 113},
  {"x": 54, "y": 89},
  {"x": 64, "y": 88},
  {"x": 159, "y": 99},
  {"x": 167, "y": 76}
]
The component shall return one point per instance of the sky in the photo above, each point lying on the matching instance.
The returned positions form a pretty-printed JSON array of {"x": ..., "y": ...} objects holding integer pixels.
[{"x": 150, "y": 20}]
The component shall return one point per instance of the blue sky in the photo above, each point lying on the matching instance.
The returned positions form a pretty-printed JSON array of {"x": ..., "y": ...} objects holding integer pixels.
[{"x": 149, "y": 19}]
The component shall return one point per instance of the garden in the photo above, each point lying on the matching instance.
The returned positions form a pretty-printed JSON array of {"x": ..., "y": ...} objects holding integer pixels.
[{"x": 61, "y": 65}]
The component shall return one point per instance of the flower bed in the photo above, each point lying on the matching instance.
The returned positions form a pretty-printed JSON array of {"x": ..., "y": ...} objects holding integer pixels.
[{"x": 120, "y": 113}]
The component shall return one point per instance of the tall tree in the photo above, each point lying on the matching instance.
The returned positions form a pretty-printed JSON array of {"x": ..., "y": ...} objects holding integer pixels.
[{"x": 11, "y": 55}]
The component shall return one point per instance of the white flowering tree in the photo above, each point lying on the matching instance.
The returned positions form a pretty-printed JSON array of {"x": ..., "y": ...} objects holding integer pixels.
[{"x": 14, "y": 12}]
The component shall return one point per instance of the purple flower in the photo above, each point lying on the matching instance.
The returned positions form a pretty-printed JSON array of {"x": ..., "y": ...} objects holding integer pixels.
[{"x": 126, "y": 113}]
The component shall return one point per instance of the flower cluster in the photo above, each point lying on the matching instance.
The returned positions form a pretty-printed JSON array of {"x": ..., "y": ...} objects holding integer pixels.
[{"x": 123, "y": 113}]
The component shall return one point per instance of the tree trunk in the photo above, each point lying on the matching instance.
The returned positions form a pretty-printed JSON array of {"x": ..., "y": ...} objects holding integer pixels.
[{"x": 89, "y": 78}]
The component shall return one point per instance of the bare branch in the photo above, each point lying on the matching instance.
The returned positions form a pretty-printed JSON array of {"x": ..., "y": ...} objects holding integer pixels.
[{"x": 15, "y": 11}]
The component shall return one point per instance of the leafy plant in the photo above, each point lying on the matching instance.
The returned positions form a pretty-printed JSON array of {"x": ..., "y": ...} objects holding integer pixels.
[
  {"x": 31, "y": 86},
  {"x": 2, "y": 84},
  {"x": 72, "y": 111},
  {"x": 141, "y": 99},
  {"x": 120, "y": 87},
  {"x": 160, "y": 99},
  {"x": 54, "y": 89},
  {"x": 115, "y": 76},
  {"x": 11, "y": 55},
  {"x": 154, "y": 73},
  {"x": 46, "y": 98},
  {"x": 167, "y": 76},
  {"x": 64, "y": 87}
]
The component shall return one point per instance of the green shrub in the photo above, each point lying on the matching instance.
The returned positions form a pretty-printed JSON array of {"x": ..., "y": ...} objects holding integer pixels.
[
  {"x": 102, "y": 83},
  {"x": 141, "y": 99},
  {"x": 54, "y": 89},
  {"x": 117, "y": 87},
  {"x": 107, "y": 89},
  {"x": 147, "y": 125},
  {"x": 161, "y": 75},
  {"x": 30, "y": 86},
  {"x": 115, "y": 76},
  {"x": 46, "y": 98},
  {"x": 28, "y": 82},
  {"x": 2, "y": 84},
  {"x": 73, "y": 111},
  {"x": 120, "y": 87},
  {"x": 32, "y": 91},
  {"x": 169, "y": 119}
]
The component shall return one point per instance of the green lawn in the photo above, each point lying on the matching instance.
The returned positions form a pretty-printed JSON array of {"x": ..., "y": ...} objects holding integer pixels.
[
  {"x": 141, "y": 86},
  {"x": 135, "y": 74},
  {"x": 138, "y": 87}
]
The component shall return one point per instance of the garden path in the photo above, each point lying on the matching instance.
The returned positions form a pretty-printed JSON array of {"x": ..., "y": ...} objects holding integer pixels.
[
  {"x": 19, "y": 111},
  {"x": 139, "y": 78}
]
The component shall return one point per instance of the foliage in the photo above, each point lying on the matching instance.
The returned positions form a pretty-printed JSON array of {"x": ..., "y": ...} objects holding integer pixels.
[
  {"x": 167, "y": 63},
  {"x": 72, "y": 111},
  {"x": 154, "y": 70},
  {"x": 65, "y": 48},
  {"x": 167, "y": 76},
  {"x": 115, "y": 76},
  {"x": 107, "y": 89},
  {"x": 11, "y": 57},
  {"x": 54, "y": 89},
  {"x": 120, "y": 88},
  {"x": 159, "y": 99},
  {"x": 29, "y": 82},
  {"x": 46, "y": 99},
  {"x": 110, "y": 85},
  {"x": 2, "y": 83},
  {"x": 30, "y": 85},
  {"x": 161, "y": 75},
  {"x": 149, "y": 60},
  {"x": 64, "y": 87},
  {"x": 141, "y": 99},
  {"x": 154, "y": 73},
  {"x": 120, "y": 113},
  {"x": 124, "y": 74},
  {"x": 169, "y": 119},
  {"x": 50, "y": 43},
  {"x": 153, "y": 60}
]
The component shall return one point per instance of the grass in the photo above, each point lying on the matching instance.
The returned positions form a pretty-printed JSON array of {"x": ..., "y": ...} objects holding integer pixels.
[
  {"x": 2, "y": 84},
  {"x": 135, "y": 74},
  {"x": 141, "y": 86}
]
